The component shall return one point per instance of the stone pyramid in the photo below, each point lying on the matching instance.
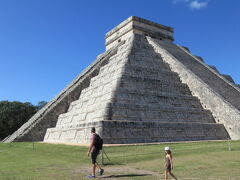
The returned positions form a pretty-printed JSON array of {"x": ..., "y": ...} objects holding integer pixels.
[{"x": 144, "y": 88}]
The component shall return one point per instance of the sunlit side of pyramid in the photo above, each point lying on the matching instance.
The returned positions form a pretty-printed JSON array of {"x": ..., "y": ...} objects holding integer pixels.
[{"x": 144, "y": 88}]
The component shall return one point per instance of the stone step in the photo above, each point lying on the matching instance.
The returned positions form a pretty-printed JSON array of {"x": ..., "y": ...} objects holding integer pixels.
[
  {"x": 141, "y": 46},
  {"x": 79, "y": 134},
  {"x": 118, "y": 55},
  {"x": 102, "y": 85},
  {"x": 155, "y": 64},
  {"x": 148, "y": 53},
  {"x": 149, "y": 66},
  {"x": 148, "y": 72},
  {"x": 153, "y": 84},
  {"x": 150, "y": 112},
  {"x": 153, "y": 93},
  {"x": 81, "y": 115},
  {"x": 134, "y": 57},
  {"x": 111, "y": 66},
  {"x": 145, "y": 77},
  {"x": 107, "y": 76},
  {"x": 125, "y": 46}
]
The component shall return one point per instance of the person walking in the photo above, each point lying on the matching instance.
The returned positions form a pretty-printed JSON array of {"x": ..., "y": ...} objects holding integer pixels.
[
  {"x": 168, "y": 163},
  {"x": 94, "y": 151}
]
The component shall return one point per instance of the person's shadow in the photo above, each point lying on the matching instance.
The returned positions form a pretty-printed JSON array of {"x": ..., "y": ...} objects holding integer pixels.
[{"x": 126, "y": 175}]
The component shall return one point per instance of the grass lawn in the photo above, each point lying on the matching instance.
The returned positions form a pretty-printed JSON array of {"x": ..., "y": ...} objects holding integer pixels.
[{"x": 199, "y": 160}]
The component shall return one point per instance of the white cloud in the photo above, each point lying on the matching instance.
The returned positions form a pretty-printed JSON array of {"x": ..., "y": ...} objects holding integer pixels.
[
  {"x": 177, "y": 1},
  {"x": 197, "y": 5},
  {"x": 193, "y": 4}
]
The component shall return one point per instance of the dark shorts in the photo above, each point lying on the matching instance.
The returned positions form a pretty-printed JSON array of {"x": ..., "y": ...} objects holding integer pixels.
[
  {"x": 168, "y": 168},
  {"x": 94, "y": 156}
]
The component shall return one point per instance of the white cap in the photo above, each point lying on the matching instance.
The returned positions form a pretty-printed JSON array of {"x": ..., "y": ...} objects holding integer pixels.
[{"x": 167, "y": 148}]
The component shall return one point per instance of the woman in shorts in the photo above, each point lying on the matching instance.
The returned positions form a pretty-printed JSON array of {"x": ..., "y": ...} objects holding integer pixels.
[{"x": 168, "y": 163}]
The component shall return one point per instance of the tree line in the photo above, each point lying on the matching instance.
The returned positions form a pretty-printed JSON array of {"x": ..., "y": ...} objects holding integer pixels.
[{"x": 14, "y": 114}]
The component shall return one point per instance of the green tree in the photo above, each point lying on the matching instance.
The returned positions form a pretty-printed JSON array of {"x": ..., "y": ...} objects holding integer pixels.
[
  {"x": 13, "y": 115},
  {"x": 40, "y": 105}
]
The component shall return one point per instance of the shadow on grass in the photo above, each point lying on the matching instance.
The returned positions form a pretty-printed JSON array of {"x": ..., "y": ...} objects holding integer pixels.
[
  {"x": 126, "y": 175},
  {"x": 112, "y": 164}
]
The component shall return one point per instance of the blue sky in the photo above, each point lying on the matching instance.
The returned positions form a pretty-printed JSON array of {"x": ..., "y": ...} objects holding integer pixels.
[{"x": 45, "y": 44}]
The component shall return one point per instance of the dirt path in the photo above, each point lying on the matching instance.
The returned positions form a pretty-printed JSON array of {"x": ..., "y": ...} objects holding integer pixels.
[{"x": 113, "y": 173}]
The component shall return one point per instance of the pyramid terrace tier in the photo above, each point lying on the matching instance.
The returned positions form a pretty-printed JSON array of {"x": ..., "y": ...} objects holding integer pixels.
[
  {"x": 145, "y": 132},
  {"x": 154, "y": 64},
  {"x": 132, "y": 77},
  {"x": 121, "y": 132},
  {"x": 155, "y": 112},
  {"x": 149, "y": 53},
  {"x": 153, "y": 85},
  {"x": 133, "y": 112},
  {"x": 149, "y": 73},
  {"x": 124, "y": 95},
  {"x": 133, "y": 83},
  {"x": 133, "y": 71},
  {"x": 164, "y": 99},
  {"x": 148, "y": 65}
]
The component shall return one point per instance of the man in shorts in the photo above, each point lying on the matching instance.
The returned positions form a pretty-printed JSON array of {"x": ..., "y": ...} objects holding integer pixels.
[{"x": 94, "y": 153}]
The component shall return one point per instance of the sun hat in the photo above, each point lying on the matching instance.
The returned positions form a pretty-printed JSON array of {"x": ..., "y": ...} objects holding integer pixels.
[{"x": 167, "y": 148}]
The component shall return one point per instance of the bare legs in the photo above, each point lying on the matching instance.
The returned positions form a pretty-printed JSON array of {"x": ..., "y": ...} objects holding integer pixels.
[
  {"x": 169, "y": 172},
  {"x": 97, "y": 165},
  {"x": 166, "y": 175},
  {"x": 94, "y": 168}
]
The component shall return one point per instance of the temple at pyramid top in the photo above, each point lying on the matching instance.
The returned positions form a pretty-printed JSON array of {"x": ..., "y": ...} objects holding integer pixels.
[{"x": 136, "y": 25}]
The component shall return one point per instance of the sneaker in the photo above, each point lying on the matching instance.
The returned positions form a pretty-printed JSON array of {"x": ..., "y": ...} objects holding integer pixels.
[
  {"x": 101, "y": 172},
  {"x": 90, "y": 176}
]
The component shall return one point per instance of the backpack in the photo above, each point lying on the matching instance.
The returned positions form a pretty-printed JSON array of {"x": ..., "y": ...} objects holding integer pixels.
[{"x": 98, "y": 143}]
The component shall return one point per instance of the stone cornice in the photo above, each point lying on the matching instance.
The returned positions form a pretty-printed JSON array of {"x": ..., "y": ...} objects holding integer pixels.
[{"x": 134, "y": 18}]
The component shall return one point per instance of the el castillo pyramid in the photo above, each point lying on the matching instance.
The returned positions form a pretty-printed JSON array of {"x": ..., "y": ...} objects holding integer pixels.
[{"x": 143, "y": 88}]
